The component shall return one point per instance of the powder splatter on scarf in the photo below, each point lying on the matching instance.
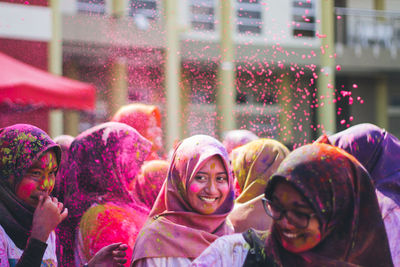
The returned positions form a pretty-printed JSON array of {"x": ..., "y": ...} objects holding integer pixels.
[
  {"x": 378, "y": 151},
  {"x": 342, "y": 195},
  {"x": 146, "y": 187},
  {"x": 102, "y": 163},
  {"x": 146, "y": 119},
  {"x": 235, "y": 138},
  {"x": 174, "y": 228},
  {"x": 253, "y": 164},
  {"x": 20, "y": 146}
]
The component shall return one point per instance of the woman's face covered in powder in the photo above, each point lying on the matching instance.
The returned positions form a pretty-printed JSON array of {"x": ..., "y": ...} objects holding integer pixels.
[
  {"x": 209, "y": 187},
  {"x": 39, "y": 179},
  {"x": 294, "y": 211}
]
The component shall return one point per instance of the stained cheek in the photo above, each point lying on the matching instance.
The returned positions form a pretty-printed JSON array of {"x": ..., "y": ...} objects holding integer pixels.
[
  {"x": 224, "y": 189},
  {"x": 25, "y": 190},
  {"x": 194, "y": 188},
  {"x": 48, "y": 183}
]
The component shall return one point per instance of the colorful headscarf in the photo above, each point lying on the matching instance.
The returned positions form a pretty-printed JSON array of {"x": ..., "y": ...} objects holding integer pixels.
[
  {"x": 342, "y": 195},
  {"x": 378, "y": 151},
  {"x": 147, "y": 185},
  {"x": 174, "y": 229},
  {"x": 102, "y": 163},
  {"x": 137, "y": 116},
  {"x": 235, "y": 138},
  {"x": 253, "y": 164},
  {"x": 61, "y": 187},
  {"x": 20, "y": 146}
]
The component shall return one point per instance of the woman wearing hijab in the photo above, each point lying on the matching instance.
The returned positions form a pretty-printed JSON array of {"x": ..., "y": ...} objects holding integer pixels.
[
  {"x": 190, "y": 211},
  {"x": 28, "y": 215},
  {"x": 378, "y": 151},
  {"x": 61, "y": 186},
  {"x": 253, "y": 164},
  {"x": 103, "y": 161},
  {"x": 147, "y": 185},
  {"x": 146, "y": 119},
  {"x": 325, "y": 213},
  {"x": 236, "y": 138}
]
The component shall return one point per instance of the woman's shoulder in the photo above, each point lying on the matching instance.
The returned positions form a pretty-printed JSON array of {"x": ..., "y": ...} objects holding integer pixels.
[
  {"x": 228, "y": 250},
  {"x": 163, "y": 262}
]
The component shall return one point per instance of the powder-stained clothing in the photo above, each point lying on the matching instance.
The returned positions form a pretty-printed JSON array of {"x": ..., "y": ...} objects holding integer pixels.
[
  {"x": 391, "y": 217},
  {"x": 10, "y": 253},
  {"x": 236, "y": 138},
  {"x": 164, "y": 262},
  {"x": 110, "y": 220},
  {"x": 174, "y": 228},
  {"x": 340, "y": 192},
  {"x": 378, "y": 151},
  {"x": 253, "y": 164},
  {"x": 232, "y": 250},
  {"x": 103, "y": 161},
  {"x": 146, "y": 187},
  {"x": 20, "y": 146},
  {"x": 143, "y": 118},
  {"x": 226, "y": 251},
  {"x": 61, "y": 186}
]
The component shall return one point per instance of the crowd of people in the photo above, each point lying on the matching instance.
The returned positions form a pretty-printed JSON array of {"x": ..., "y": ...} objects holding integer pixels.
[{"x": 111, "y": 197}]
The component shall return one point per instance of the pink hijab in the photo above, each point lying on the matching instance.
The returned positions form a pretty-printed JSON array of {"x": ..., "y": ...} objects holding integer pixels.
[{"x": 174, "y": 229}]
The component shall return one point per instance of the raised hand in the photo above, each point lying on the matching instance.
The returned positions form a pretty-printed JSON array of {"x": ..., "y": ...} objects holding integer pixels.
[{"x": 48, "y": 214}]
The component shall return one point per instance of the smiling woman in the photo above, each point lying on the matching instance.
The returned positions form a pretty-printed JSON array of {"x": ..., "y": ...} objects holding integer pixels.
[
  {"x": 208, "y": 189},
  {"x": 191, "y": 209},
  {"x": 324, "y": 211}
]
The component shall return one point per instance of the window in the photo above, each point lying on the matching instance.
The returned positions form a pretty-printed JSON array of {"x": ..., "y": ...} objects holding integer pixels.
[
  {"x": 146, "y": 8},
  {"x": 91, "y": 6},
  {"x": 249, "y": 16},
  {"x": 304, "y": 18},
  {"x": 202, "y": 15}
]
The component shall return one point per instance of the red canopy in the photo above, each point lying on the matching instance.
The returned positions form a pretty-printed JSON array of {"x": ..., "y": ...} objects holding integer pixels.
[{"x": 23, "y": 84}]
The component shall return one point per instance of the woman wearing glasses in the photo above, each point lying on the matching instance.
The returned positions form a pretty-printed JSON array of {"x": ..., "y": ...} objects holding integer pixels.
[{"x": 325, "y": 213}]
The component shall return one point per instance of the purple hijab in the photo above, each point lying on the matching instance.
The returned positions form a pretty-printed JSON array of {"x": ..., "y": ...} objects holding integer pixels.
[
  {"x": 102, "y": 163},
  {"x": 378, "y": 151}
]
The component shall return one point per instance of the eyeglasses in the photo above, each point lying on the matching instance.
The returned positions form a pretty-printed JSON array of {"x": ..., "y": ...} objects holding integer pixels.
[{"x": 296, "y": 218}]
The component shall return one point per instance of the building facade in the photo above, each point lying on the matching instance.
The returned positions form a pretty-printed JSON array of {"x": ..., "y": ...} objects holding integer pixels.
[{"x": 278, "y": 46}]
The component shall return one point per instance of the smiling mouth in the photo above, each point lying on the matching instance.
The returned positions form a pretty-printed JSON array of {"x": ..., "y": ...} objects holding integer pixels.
[
  {"x": 290, "y": 235},
  {"x": 209, "y": 199}
]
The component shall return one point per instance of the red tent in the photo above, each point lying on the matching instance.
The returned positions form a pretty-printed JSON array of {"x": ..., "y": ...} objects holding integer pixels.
[{"x": 26, "y": 85}]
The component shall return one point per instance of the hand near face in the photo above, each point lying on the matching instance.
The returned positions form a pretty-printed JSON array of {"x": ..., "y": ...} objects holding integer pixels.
[
  {"x": 48, "y": 214},
  {"x": 111, "y": 255}
]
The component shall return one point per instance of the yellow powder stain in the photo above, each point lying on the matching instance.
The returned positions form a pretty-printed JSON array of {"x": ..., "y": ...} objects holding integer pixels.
[
  {"x": 212, "y": 167},
  {"x": 285, "y": 197}
]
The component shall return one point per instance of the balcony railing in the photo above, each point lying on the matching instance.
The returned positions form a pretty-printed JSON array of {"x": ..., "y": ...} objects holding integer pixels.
[{"x": 368, "y": 28}]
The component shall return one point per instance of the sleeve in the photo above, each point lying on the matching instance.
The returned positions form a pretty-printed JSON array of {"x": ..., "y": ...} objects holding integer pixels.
[
  {"x": 391, "y": 218},
  {"x": 226, "y": 251},
  {"x": 33, "y": 254},
  {"x": 163, "y": 262},
  {"x": 3, "y": 251}
]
